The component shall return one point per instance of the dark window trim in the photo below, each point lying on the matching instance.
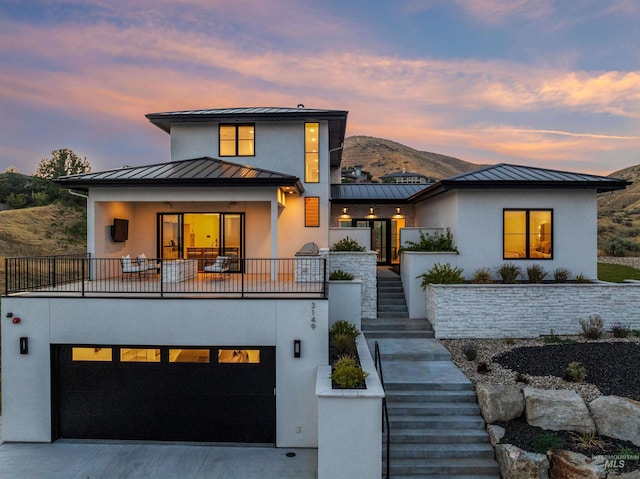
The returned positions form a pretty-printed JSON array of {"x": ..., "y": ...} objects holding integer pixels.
[
  {"x": 306, "y": 221},
  {"x": 527, "y": 212},
  {"x": 236, "y": 126}
]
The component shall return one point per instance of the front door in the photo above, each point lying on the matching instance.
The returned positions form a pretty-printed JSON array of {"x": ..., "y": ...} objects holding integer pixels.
[{"x": 380, "y": 237}]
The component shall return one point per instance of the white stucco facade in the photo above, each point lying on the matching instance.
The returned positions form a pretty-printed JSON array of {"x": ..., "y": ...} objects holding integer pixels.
[{"x": 26, "y": 378}]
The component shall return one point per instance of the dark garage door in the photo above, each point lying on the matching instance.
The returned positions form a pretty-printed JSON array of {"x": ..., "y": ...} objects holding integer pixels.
[{"x": 216, "y": 394}]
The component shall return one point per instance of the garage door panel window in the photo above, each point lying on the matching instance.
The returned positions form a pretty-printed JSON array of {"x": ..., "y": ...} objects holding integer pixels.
[
  {"x": 92, "y": 354},
  {"x": 139, "y": 355},
  {"x": 189, "y": 356},
  {"x": 239, "y": 356}
]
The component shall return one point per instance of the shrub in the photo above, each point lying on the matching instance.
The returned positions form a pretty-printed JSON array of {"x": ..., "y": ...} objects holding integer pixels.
[
  {"x": 620, "y": 247},
  {"x": 581, "y": 278},
  {"x": 483, "y": 367},
  {"x": 347, "y": 244},
  {"x": 546, "y": 442},
  {"x": 575, "y": 372},
  {"x": 482, "y": 276},
  {"x": 561, "y": 275},
  {"x": 509, "y": 341},
  {"x": 339, "y": 275},
  {"x": 441, "y": 274},
  {"x": 431, "y": 242},
  {"x": 344, "y": 327},
  {"x": 509, "y": 272},
  {"x": 347, "y": 373},
  {"x": 536, "y": 273},
  {"x": 343, "y": 344},
  {"x": 470, "y": 352},
  {"x": 592, "y": 328},
  {"x": 587, "y": 440},
  {"x": 619, "y": 330}
]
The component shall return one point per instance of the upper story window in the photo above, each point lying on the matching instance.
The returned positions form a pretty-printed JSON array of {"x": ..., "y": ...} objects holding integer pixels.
[
  {"x": 237, "y": 140},
  {"x": 311, "y": 152},
  {"x": 528, "y": 234}
]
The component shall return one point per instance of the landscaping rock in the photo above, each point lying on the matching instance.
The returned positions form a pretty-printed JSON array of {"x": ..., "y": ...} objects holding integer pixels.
[
  {"x": 518, "y": 464},
  {"x": 557, "y": 410},
  {"x": 617, "y": 417},
  {"x": 500, "y": 402},
  {"x": 573, "y": 465},
  {"x": 496, "y": 433}
]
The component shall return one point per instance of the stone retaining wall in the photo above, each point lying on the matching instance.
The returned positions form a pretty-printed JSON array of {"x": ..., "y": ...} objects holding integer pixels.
[
  {"x": 634, "y": 261},
  {"x": 363, "y": 266},
  {"x": 528, "y": 310}
]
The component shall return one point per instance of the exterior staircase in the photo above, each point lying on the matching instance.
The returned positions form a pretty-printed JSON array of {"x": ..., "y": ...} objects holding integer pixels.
[{"x": 436, "y": 429}]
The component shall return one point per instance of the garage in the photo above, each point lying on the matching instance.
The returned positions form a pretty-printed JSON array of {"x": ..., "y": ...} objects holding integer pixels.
[{"x": 164, "y": 393}]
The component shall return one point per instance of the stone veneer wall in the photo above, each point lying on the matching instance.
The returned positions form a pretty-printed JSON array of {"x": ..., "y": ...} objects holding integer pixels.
[
  {"x": 363, "y": 266},
  {"x": 528, "y": 310},
  {"x": 633, "y": 261}
]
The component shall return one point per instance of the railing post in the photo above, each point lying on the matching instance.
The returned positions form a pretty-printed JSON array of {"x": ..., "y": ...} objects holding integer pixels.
[
  {"x": 243, "y": 270},
  {"x": 83, "y": 276},
  {"x": 161, "y": 283}
]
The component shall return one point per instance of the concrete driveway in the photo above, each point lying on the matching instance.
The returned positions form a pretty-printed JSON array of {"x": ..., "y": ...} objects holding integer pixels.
[{"x": 83, "y": 460}]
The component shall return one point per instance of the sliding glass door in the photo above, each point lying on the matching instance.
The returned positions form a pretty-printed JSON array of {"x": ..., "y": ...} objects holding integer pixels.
[{"x": 201, "y": 236}]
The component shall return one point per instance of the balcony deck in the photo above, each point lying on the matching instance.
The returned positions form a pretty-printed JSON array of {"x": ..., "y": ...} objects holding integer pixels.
[{"x": 91, "y": 277}]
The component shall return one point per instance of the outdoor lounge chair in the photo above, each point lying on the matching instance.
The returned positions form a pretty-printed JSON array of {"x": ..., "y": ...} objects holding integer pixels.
[
  {"x": 219, "y": 266},
  {"x": 139, "y": 265}
]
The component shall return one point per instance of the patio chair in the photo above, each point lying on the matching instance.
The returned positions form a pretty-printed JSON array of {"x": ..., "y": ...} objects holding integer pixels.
[
  {"x": 131, "y": 266},
  {"x": 219, "y": 266}
]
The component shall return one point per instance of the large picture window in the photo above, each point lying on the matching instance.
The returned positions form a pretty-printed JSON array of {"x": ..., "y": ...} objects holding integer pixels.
[
  {"x": 528, "y": 234},
  {"x": 311, "y": 152},
  {"x": 237, "y": 140}
]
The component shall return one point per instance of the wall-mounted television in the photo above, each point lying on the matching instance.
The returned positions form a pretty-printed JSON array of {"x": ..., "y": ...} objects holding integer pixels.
[{"x": 120, "y": 230}]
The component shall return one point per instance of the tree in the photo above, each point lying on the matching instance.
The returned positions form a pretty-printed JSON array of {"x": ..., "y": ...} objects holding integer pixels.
[
  {"x": 63, "y": 162},
  {"x": 11, "y": 169},
  {"x": 16, "y": 201}
]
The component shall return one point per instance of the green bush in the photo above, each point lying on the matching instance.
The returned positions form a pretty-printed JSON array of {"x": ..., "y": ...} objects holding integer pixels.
[
  {"x": 548, "y": 442},
  {"x": 619, "y": 330},
  {"x": 431, "y": 243},
  {"x": 482, "y": 276},
  {"x": 470, "y": 352},
  {"x": 343, "y": 327},
  {"x": 593, "y": 328},
  {"x": 347, "y": 244},
  {"x": 339, "y": 275},
  {"x": 619, "y": 247},
  {"x": 575, "y": 372},
  {"x": 509, "y": 272},
  {"x": 561, "y": 275},
  {"x": 536, "y": 273},
  {"x": 347, "y": 373},
  {"x": 343, "y": 344},
  {"x": 581, "y": 278},
  {"x": 441, "y": 274}
]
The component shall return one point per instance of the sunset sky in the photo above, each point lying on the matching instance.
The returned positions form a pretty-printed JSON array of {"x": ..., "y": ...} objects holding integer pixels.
[{"x": 550, "y": 83}]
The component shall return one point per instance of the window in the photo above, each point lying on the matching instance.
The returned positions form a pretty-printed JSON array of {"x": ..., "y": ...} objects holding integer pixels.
[
  {"x": 238, "y": 355},
  {"x": 189, "y": 355},
  {"x": 139, "y": 355},
  {"x": 528, "y": 234},
  {"x": 237, "y": 140},
  {"x": 311, "y": 155},
  {"x": 91, "y": 354},
  {"x": 312, "y": 211}
]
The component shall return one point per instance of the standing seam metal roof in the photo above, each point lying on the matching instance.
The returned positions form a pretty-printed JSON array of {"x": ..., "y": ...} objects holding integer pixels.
[{"x": 374, "y": 192}]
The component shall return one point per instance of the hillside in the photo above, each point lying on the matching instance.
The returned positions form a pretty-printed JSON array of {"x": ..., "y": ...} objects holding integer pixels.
[
  {"x": 619, "y": 212},
  {"x": 379, "y": 156},
  {"x": 42, "y": 230}
]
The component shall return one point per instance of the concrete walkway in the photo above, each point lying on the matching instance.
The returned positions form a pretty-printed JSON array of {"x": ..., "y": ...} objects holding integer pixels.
[{"x": 83, "y": 460}]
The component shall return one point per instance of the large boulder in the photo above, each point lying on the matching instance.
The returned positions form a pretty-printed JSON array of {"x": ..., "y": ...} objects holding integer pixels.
[
  {"x": 496, "y": 433},
  {"x": 573, "y": 465},
  {"x": 557, "y": 410},
  {"x": 518, "y": 464},
  {"x": 500, "y": 402},
  {"x": 617, "y": 417}
]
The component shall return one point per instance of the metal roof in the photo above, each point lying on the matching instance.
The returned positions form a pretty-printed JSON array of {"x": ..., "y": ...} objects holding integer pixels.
[
  {"x": 525, "y": 177},
  {"x": 337, "y": 120},
  {"x": 374, "y": 192},
  {"x": 196, "y": 172}
]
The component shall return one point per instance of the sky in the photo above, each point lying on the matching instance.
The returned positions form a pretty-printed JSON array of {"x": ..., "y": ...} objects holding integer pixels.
[{"x": 545, "y": 83}]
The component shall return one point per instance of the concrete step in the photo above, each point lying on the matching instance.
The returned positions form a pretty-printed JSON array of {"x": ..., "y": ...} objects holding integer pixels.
[
  {"x": 442, "y": 467},
  {"x": 391, "y": 323},
  {"x": 414, "y": 409},
  {"x": 438, "y": 451},
  {"x": 431, "y": 396},
  {"x": 400, "y": 334},
  {"x": 392, "y": 315},
  {"x": 437, "y": 436},
  {"x": 437, "y": 422},
  {"x": 418, "y": 388},
  {"x": 402, "y": 307}
]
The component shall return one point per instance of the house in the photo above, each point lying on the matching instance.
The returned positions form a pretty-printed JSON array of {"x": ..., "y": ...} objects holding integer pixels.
[
  {"x": 404, "y": 177},
  {"x": 142, "y": 339}
]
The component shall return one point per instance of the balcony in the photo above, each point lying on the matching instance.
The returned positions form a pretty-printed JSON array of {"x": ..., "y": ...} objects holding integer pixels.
[{"x": 84, "y": 276}]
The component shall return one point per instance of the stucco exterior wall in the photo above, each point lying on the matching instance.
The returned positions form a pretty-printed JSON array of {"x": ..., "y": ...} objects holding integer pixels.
[
  {"x": 528, "y": 310},
  {"x": 46, "y": 321}
]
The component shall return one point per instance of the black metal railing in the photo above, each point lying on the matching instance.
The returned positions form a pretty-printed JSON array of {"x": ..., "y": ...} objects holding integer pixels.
[
  {"x": 385, "y": 412},
  {"x": 245, "y": 277}
]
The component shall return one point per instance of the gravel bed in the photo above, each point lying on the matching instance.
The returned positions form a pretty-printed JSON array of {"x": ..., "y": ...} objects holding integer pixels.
[{"x": 612, "y": 364}]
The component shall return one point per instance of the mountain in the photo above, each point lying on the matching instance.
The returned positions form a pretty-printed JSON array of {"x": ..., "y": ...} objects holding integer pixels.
[
  {"x": 619, "y": 211},
  {"x": 379, "y": 156}
]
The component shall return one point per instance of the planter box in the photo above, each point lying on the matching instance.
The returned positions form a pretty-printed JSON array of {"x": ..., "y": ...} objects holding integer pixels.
[
  {"x": 528, "y": 310},
  {"x": 349, "y": 425},
  {"x": 361, "y": 265}
]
